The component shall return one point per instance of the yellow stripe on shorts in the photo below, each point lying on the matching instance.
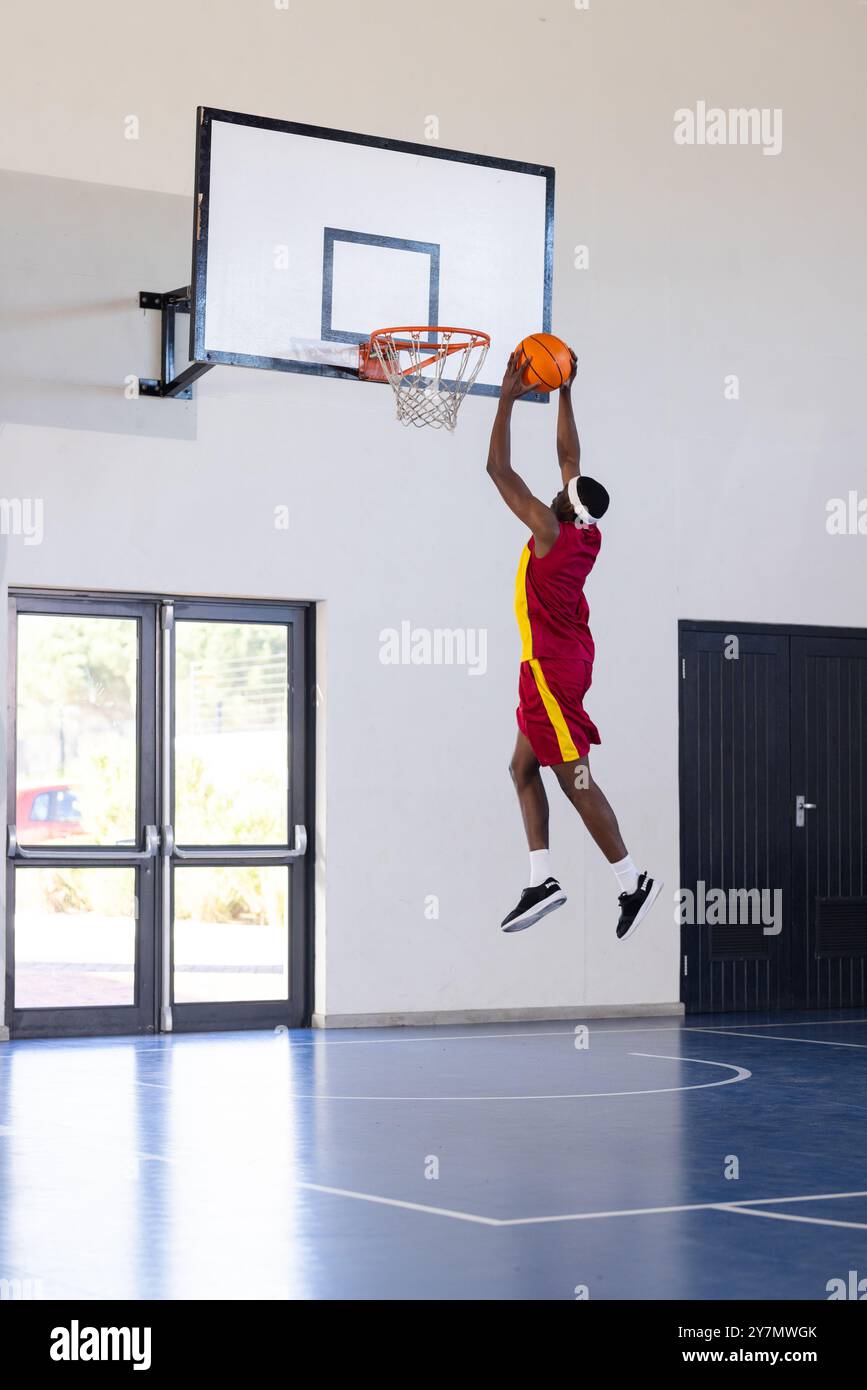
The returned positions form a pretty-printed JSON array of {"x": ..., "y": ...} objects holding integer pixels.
[{"x": 568, "y": 751}]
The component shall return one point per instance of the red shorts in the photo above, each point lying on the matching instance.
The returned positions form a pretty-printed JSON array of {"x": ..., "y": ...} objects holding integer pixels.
[{"x": 551, "y": 709}]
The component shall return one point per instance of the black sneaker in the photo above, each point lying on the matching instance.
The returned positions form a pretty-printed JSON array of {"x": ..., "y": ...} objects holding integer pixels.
[
  {"x": 635, "y": 906},
  {"x": 533, "y": 904}
]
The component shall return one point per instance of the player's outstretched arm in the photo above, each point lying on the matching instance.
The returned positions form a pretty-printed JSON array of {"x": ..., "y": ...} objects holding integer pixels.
[
  {"x": 568, "y": 443},
  {"x": 510, "y": 485}
]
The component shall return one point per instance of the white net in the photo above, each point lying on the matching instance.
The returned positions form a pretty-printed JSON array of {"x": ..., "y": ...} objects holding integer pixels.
[{"x": 430, "y": 370}]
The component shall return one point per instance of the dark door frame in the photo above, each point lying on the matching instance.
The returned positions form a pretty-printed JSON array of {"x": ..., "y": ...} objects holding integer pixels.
[{"x": 141, "y": 1017}]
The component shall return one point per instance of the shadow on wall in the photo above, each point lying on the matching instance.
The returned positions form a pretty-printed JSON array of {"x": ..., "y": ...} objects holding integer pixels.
[{"x": 74, "y": 257}]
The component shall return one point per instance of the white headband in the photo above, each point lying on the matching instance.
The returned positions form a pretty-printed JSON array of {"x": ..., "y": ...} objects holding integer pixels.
[{"x": 582, "y": 516}]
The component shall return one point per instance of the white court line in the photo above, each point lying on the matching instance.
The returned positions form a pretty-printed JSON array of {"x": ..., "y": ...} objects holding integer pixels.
[
  {"x": 690, "y": 1206},
  {"x": 321, "y": 1040},
  {"x": 816, "y": 1042},
  {"x": 579, "y": 1215},
  {"x": 803, "y": 1220},
  {"x": 393, "y": 1202},
  {"x": 734, "y": 1027},
  {"x": 807, "y": 1197},
  {"x": 315, "y": 1037},
  {"x": 321, "y": 1036},
  {"x": 742, "y": 1074},
  {"x": 484, "y": 1037}
]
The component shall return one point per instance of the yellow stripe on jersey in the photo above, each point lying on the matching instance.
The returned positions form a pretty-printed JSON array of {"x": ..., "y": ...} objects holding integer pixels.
[
  {"x": 568, "y": 751},
  {"x": 521, "y": 611}
]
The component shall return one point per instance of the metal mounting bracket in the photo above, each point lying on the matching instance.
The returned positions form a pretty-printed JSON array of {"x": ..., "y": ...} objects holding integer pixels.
[{"x": 169, "y": 305}]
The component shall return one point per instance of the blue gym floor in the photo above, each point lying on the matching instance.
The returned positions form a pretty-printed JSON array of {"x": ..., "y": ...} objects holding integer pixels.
[{"x": 293, "y": 1165}]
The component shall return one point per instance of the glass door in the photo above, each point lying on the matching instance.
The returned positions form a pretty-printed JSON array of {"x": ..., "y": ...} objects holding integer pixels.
[
  {"x": 158, "y": 874},
  {"x": 235, "y": 849},
  {"x": 82, "y": 836}
]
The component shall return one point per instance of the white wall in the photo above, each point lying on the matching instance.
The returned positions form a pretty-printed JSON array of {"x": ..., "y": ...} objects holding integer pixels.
[{"x": 703, "y": 262}]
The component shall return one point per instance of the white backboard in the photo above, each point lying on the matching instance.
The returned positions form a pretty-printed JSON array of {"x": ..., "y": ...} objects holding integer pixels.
[{"x": 308, "y": 239}]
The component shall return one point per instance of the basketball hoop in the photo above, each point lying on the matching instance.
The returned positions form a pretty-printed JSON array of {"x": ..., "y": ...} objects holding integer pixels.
[{"x": 413, "y": 361}]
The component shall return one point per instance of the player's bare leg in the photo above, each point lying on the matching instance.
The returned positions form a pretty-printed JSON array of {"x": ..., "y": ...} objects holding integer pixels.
[
  {"x": 525, "y": 773},
  {"x": 543, "y": 893},
  {"x": 593, "y": 807},
  {"x": 638, "y": 891}
]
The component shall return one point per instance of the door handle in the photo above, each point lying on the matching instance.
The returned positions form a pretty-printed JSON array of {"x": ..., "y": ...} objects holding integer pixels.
[
  {"x": 84, "y": 856},
  {"x": 801, "y": 806},
  {"x": 237, "y": 854}
]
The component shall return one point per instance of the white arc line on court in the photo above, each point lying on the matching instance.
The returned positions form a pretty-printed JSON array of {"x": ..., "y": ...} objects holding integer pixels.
[
  {"x": 741, "y": 1074},
  {"x": 786, "y": 1216}
]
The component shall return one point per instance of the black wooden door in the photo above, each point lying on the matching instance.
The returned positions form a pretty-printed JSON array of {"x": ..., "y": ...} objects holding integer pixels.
[{"x": 773, "y": 807}]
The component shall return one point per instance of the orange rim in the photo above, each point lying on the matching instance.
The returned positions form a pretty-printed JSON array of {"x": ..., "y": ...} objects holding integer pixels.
[{"x": 476, "y": 337}]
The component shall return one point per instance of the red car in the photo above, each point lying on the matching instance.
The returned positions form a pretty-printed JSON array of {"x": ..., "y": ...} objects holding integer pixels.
[{"x": 48, "y": 813}]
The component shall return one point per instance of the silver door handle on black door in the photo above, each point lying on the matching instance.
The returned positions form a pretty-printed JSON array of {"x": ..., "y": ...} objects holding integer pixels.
[{"x": 802, "y": 805}]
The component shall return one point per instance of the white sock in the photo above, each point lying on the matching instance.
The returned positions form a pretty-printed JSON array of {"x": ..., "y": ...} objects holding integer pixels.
[
  {"x": 539, "y": 867},
  {"x": 626, "y": 874}
]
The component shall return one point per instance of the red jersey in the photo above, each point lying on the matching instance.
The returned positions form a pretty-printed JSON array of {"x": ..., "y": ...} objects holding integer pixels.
[{"x": 550, "y": 606}]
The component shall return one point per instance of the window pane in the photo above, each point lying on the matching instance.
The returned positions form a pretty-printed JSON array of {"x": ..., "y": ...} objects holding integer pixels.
[
  {"x": 76, "y": 750},
  {"x": 74, "y": 937},
  {"x": 231, "y": 734},
  {"x": 67, "y": 807},
  {"x": 231, "y": 934}
]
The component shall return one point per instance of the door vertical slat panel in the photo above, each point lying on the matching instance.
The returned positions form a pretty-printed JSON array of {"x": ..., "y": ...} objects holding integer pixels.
[
  {"x": 700, "y": 821},
  {"x": 733, "y": 738},
  {"x": 830, "y": 770},
  {"x": 751, "y": 976},
  {"x": 860, "y": 877},
  {"x": 810, "y": 754}
]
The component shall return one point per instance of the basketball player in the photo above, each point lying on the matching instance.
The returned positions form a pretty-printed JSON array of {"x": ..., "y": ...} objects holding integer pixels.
[{"x": 557, "y": 662}]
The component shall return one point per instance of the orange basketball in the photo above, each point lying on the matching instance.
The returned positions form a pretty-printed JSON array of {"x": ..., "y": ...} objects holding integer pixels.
[{"x": 548, "y": 361}]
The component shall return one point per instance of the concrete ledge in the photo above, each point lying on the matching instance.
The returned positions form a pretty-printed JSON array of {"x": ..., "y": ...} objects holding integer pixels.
[
  {"x": 4, "y": 1034},
  {"x": 435, "y": 1019}
]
